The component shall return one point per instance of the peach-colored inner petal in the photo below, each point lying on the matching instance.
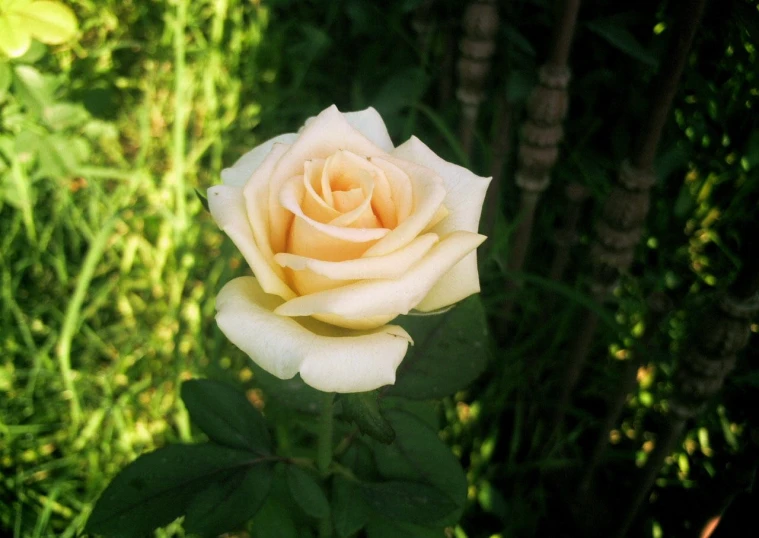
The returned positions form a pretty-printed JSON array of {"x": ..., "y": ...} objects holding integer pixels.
[
  {"x": 306, "y": 240},
  {"x": 341, "y": 207},
  {"x": 400, "y": 191}
]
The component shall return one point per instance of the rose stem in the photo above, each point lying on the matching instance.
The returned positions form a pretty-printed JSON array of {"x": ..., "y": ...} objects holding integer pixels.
[{"x": 324, "y": 453}]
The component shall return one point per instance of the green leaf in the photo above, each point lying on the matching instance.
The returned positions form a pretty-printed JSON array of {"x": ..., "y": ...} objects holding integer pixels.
[
  {"x": 450, "y": 351},
  {"x": 381, "y": 527},
  {"x": 291, "y": 393},
  {"x": 274, "y": 521},
  {"x": 58, "y": 155},
  {"x": 414, "y": 502},
  {"x": 400, "y": 91},
  {"x": 519, "y": 41},
  {"x": 519, "y": 85},
  {"x": 203, "y": 199},
  {"x": 419, "y": 454},
  {"x": 6, "y": 77},
  {"x": 307, "y": 492},
  {"x": 227, "y": 506},
  {"x": 35, "y": 52},
  {"x": 50, "y": 22},
  {"x": 60, "y": 116},
  {"x": 349, "y": 513},
  {"x": 33, "y": 89},
  {"x": 14, "y": 39},
  {"x": 225, "y": 415},
  {"x": 363, "y": 409},
  {"x": 609, "y": 28},
  {"x": 158, "y": 487}
]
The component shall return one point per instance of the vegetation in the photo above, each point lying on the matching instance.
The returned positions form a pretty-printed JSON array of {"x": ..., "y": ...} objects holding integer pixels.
[{"x": 109, "y": 264}]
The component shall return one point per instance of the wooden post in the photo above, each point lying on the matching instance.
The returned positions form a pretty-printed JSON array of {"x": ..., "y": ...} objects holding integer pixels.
[
  {"x": 540, "y": 137},
  {"x": 422, "y": 23},
  {"x": 476, "y": 46}
]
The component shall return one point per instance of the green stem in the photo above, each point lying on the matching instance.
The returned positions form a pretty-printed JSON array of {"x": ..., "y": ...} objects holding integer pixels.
[
  {"x": 324, "y": 453},
  {"x": 180, "y": 115},
  {"x": 324, "y": 443}
]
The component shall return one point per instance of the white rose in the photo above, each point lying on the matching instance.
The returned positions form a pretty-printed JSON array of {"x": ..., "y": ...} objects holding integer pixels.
[{"x": 343, "y": 232}]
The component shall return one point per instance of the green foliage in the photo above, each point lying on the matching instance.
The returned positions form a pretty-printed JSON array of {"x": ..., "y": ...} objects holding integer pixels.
[
  {"x": 450, "y": 351},
  {"x": 108, "y": 268},
  {"x": 363, "y": 409},
  {"x": 219, "y": 488},
  {"x": 349, "y": 513},
  {"x": 226, "y": 416},
  {"x": 386, "y": 528},
  {"x": 307, "y": 493},
  {"x": 613, "y": 31},
  {"x": 411, "y": 502},
  {"x": 21, "y": 20}
]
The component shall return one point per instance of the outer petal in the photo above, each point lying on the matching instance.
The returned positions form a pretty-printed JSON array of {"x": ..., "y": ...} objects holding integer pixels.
[
  {"x": 465, "y": 191},
  {"x": 227, "y": 205},
  {"x": 369, "y": 123},
  {"x": 329, "y": 359},
  {"x": 464, "y": 198},
  {"x": 239, "y": 173},
  {"x": 356, "y": 302},
  {"x": 257, "y": 205}
]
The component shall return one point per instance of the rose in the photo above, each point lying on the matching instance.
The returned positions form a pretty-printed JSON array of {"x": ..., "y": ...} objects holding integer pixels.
[{"x": 343, "y": 233}]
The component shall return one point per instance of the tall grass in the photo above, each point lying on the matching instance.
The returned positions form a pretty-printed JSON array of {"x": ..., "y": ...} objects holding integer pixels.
[{"x": 108, "y": 273}]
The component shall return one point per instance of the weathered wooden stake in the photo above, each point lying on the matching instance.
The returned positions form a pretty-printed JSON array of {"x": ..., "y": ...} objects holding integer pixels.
[
  {"x": 624, "y": 211},
  {"x": 541, "y": 134},
  {"x": 476, "y": 46},
  {"x": 422, "y": 23}
]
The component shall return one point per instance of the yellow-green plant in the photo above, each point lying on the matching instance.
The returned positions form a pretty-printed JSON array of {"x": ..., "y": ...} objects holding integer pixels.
[{"x": 21, "y": 21}]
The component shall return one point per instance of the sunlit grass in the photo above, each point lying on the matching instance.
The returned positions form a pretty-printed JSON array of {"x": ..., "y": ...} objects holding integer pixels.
[{"x": 108, "y": 276}]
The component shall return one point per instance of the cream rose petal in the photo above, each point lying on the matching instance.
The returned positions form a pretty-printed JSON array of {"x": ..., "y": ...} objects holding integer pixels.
[
  {"x": 239, "y": 173},
  {"x": 283, "y": 347},
  {"x": 392, "y": 265},
  {"x": 465, "y": 194},
  {"x": 428, "y": 194},
  {"x": 389, "y": 297},
  {"x": 369, "y": 123},
  {"x": 256, "y": 203},
  {"x": 227, "y": 206},
  {"x": 326, "y": 134},
  {"x": 290, "y": 198}
]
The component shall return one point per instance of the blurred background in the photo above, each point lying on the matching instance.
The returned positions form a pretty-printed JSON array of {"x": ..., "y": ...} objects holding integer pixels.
[{"x": 109, "y": 263}]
